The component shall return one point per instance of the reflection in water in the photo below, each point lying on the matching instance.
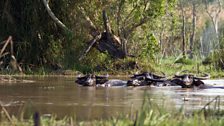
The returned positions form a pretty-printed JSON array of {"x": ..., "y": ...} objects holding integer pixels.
[{"x": 61, "y": 96}]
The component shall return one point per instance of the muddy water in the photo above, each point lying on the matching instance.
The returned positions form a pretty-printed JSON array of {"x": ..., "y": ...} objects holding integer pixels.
[{"x": 62, "y": 97}]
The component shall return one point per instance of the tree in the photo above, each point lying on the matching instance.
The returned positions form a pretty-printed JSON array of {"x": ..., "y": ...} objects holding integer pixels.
[
  {"x": 37, "y": 38},
  {"x": 192, "y": 37},
  {"x": 213, "y": 12},
  {"x": 129, "y": 17},
  {"x": 183, "y": 30}
]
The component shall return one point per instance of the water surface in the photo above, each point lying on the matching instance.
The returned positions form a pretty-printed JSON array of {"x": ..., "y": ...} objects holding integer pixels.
[{"x": 62, "y": 97}]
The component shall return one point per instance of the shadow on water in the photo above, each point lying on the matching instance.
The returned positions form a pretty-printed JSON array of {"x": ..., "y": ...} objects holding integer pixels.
[{"x": 62, "y": 97}]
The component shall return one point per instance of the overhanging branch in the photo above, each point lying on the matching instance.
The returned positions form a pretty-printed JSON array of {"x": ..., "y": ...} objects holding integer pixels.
[{"x": 53, "y": 17}]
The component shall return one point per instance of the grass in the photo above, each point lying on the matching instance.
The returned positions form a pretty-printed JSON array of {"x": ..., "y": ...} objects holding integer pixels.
[
  {"x": 150, "y": 114},
  {"x": 170, "y": 66},
  {"x": 128, "y": 66}
]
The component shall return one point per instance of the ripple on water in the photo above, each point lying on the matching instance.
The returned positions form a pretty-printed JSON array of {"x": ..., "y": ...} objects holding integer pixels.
[{"x": 62, "y": 96}]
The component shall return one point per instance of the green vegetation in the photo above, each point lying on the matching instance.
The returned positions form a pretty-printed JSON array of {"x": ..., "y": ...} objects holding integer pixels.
[
  {"x": 149, "y": 114},
  {"x": 150, "y": 33},
  {"x": 153, "y": 35},
  {"x": 172, "y": 65}
]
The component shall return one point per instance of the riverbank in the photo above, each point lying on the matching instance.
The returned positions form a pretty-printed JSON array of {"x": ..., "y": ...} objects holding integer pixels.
[{"x": 168, "y": 66}]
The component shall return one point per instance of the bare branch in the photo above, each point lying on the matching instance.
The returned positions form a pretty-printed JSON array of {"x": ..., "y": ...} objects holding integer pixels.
[
  {"x": 215, "y": 17},
  {"x": 4, "y": 54},
  {"x": 93, "y": 41},
  {"x": 219, "y": 10},
  {"x": 53, "y": 17},
  {"x": 6, "y": 114},
  {"x": 5, "y": 45}
]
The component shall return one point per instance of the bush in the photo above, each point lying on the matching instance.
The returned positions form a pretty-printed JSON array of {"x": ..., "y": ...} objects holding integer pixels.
[{"x": 184, "y": 61}]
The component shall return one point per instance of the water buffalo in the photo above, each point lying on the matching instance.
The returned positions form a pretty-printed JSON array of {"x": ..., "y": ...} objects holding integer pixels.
[
  {"x": 144, "y": 79},
  {"x": 86, "y": 80},
  {"x": 99, "y": 81},
  {"x": 188, "y": 80}
]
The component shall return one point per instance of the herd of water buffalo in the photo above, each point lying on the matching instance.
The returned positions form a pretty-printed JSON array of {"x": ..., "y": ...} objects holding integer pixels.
[{"x": 185, "y": 80}]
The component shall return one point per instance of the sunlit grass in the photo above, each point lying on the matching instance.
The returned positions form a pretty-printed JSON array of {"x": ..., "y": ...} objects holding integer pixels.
[{"x": 169, "y": 66}]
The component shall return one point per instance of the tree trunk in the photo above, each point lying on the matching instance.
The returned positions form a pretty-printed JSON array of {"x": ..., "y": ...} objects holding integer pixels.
[
  {"x": 161, "y": 37},
  {"x": 124, "y": 46},
  {"x": 118, "y": 20},
  {"x": 216, "y": 28},
  {"x": 107, "y": 26},
  {"x": 113, "y": 45},
  {"x": 183, "y": 32},
  {"x": 171, "y": 38},
  {"x": 109, "y": 42},
  {"x": 193, "y": 29}
]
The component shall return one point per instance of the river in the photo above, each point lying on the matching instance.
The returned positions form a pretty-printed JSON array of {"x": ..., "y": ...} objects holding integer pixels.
[{"x": 62, "y": 97}]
